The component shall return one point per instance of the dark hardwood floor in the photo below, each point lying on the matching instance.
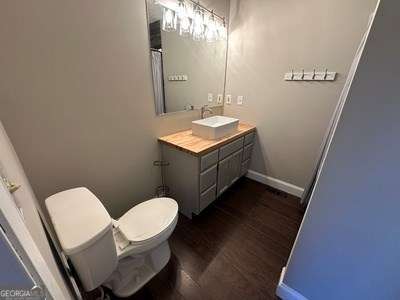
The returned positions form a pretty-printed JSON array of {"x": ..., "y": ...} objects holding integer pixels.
[{"x": 234, "y": 250}]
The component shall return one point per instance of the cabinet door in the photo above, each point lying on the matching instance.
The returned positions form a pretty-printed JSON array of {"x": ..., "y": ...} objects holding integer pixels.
[
  {"x": 247, "y": 152},
  {"x": 235, "y": 166},
  {"x": 229, "y": 171},
  {"x": 245, "y": 167},
  {"x": 224, "y": 175}
]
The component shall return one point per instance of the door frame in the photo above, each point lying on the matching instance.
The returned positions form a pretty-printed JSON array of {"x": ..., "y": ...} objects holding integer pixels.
[{"x": 18, "y": 234}]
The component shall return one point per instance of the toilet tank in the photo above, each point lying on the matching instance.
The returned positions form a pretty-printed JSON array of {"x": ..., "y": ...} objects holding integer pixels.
[{"x": 84, "y": 229}]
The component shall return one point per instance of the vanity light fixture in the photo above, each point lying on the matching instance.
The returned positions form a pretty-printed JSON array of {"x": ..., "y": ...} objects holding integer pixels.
[
  {"x": 169, "y": 19},
  {"x": 193, "y": 19},
  {"x": 211, "y": 34},
  {"x": 222, "y": 31},
  {"x": 184, "y": 20},
  {"x": 198, "y": 24}
]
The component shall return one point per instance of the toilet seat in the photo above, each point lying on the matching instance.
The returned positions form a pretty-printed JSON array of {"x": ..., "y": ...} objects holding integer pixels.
[{"x": 149, "y": 222}]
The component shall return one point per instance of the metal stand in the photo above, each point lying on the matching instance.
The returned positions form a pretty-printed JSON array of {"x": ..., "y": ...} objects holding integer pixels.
[{"x": 162, "y": 190}]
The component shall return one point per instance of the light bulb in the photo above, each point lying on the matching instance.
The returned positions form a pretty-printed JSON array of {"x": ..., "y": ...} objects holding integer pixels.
[
  {"x": 211, "y": 33},
  {"x": 169, "y": 20},
  {"x": 183, "y": 17},
  {"x": 222, "y": 31},
  {"x": 198, "y": 25}
]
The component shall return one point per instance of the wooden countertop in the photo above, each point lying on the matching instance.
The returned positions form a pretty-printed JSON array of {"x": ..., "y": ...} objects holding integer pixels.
[{"x": 186, "y": 141}]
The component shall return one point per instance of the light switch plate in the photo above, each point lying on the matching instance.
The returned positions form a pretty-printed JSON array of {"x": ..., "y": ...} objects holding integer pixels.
[
  {"x": 210, "y": 97},
  {"x": 240, "y": 100},
  {"x": 220, "y": 98},
  {"x": 228, "y": 99}
]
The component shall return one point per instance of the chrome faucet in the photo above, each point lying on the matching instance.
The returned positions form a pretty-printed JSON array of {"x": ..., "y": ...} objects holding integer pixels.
[
  {"x": 189, "y": 107},
  {"x": 205, "y": 109}
]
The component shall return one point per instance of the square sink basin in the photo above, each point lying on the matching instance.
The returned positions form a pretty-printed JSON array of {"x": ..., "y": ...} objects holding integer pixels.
[{"x": 214, "y": 128}]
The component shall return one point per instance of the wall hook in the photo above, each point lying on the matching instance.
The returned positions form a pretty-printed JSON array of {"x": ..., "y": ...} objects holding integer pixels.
[{"x": 323, "y": 75}]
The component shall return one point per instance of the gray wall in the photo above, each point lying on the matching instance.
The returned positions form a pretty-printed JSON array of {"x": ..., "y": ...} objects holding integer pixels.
[
  {"x": 267, "y": 39},
  {"x": 348, "y": 246},
  {"x": 76, "y": 97}
]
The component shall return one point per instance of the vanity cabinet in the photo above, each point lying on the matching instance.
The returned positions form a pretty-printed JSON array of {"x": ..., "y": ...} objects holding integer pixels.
[{"x": 196, "y": 180}]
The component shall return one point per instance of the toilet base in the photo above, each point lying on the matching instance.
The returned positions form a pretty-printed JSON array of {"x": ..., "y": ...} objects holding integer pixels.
[{"x": 133, "y": 272}]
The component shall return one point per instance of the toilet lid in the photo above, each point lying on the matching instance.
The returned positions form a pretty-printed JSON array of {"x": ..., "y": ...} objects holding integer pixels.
[
  {"x": 148, "y": 219},
  {"x": 79, "y": 218}
]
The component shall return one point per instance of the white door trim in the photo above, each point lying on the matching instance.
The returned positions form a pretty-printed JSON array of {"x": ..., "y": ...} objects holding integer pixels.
[{"x": 18, "y": 234}]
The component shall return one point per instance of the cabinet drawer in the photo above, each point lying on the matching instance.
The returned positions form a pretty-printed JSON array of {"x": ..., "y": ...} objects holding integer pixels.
[
  {"x": 208, "y": 178},
  {"x": 208, "y": 160},
  {"x": 247, "y": 151},
  {"x": 208, "y": 197},
  {"x": 245, "y": 167},
  {"x": 230, "y": 148},
  {"x": 249, "y": 138}
]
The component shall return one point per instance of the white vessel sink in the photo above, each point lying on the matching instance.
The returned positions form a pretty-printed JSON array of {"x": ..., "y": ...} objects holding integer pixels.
[{"x": 215, "y": 127}]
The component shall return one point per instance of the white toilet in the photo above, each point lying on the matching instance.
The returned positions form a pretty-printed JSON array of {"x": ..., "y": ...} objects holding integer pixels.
[{"x": 122, "y": 254}]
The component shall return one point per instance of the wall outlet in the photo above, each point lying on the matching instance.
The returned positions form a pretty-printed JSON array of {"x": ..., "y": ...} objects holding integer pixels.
[
  {"x": 210, "y": 97},
  {"x": 240, "y": 100},
  {"x": 219, "y": 99},
  {"x": 228, "y": 99}
]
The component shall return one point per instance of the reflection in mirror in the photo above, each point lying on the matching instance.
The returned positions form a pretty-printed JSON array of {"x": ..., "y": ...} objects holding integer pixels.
[{"x": 188, "y": 46}]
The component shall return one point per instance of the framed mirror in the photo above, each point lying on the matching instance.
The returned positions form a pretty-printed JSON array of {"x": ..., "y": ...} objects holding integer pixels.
[{"x": 188, "y": 52}]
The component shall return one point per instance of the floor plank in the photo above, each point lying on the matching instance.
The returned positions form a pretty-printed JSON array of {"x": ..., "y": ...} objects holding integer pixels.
[{"x": 235, "y": 249}]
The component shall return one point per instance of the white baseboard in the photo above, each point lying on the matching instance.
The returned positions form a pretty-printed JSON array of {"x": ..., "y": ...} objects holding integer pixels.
[
  {"x": 286, "y": 292},
  {"x": 276, "y": 183}
]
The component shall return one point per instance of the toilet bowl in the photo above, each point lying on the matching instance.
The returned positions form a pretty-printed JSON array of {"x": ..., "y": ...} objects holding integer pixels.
[{"x": 122, "y": 254}]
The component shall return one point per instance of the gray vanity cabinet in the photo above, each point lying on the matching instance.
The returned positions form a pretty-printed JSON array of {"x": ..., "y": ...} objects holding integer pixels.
[{"x": 196, "y": 181}]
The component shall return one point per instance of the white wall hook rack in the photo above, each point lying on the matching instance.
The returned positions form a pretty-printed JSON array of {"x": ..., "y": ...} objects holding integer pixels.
[{"x": 310, "y": 76}]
